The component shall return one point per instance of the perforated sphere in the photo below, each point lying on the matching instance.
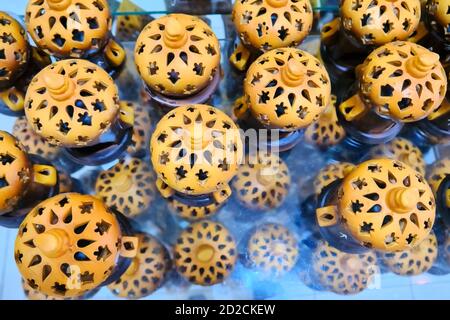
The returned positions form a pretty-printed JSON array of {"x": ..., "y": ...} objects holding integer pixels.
[
  {"x": 68, "y": 28},
  {"x": 205, "y": 253},
  {"x": 32, "y": 142},
  {"x": 262, "y": 182},
  {"x": 381, "y": 21},
  {"x": 177, "y": 55},
  {"x": 403, "y": 150},
  {"x": 403, "y": 80},
  {"x": 415, "y": 261},
  {"x": 67, "y": 239},
  {"x": 341, "y": 272},
  {"x": 147, "y": 271},
  {"x": 196, "y": 149},
  {"x": 331, "y": 173},
  {"x": 386, "y": 205},
  {"x": 287, "y": 89},
  {"x": 272, "y": 248},
  {"x": 14, "y": 53},
  {"x": 439, "y": 17},
  {"x": 128, "y": 186},
  {"x": 15, "y": 172},
  {"x": 271, "y": 24},
  {"x": 71, "y": 103},
  {"x": 437, "y": 173}
]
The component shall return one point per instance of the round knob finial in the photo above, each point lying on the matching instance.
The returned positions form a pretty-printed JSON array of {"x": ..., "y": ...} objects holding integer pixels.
[
  {"x": 175, "y": 35},
  {"x": 277, "y": 3},
  {"x": 402, "y": 199},
  {"x": 53, "y": 243},
  {"x": 205, "y": 253},
  {"x": 292, "y": 73},
  {"x": 59, "y": 86},
  {"x": 59, "y": 5},
  {"x": 420, "y": 65}
]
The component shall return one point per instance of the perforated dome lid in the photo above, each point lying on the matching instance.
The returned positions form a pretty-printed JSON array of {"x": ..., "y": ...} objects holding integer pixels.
[
  {"x": 415, "y": 261},
  {"x": 403, "y": 150},
  {"x": 331, "y": 173},
  {"x": 378, "y": 22},
  {"x": 287, "y": 89},
  {"x": 438, "y": 171},
  {"x": 270, "y": 24},
  {"x": 341, "y": 272},
  {"x": 68, "y": 28},
  {"x": 128, "y": 186},
  {"x": 71, "y": 103},
  {"x": 387, "y": 205},
  {"x": 273, "y": 248},
  {"x": 177, "y": 54},
  {"x": 196, "y": 149},
  {"x": 68, "y": 245},
  {"x": 263, "y": 181},
  {"x": 205, "y": 253},
  {"x": 15, "y": 172},
  {"x": 32, "y": 142},
  {"x": 13, "y": 49},
  {"x": 439, "y": 15},
  {"x": 403, "y": 80}
]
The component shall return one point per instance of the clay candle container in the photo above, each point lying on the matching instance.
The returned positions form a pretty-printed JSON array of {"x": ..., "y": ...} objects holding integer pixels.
[
  {"x": 128, "y": 187},
  {"x": 205, "y": 253},
  {"x": 382, "y": 204},
  {"x": 268, "y": 24},
  {"x": 178, "y": 58},
  {"x": 400, "y": 82},
  {"x": 19, "y": 61},
  {"x": 285, "y": 90},
  {"x": 341, "y": 272},
  {"x": 70, "y": 244},
  {"x": 25, "y": 179},
  {"x": 361, "y": 27},
  {"x": 272, "y": 249},
  {"x": 74, "y": 104},
  {"x": 262, "y": 182},
  {"x": 75, "y": 29},
  {"x": 196, "y": 150}
]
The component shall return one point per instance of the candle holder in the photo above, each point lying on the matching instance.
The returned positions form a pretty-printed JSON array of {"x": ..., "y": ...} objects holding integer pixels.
[
  {"x": 70, "y": 29},
  {"x": 262, "y": 182},
  {"x": 341, "y": 272},
  {"x": 361, "y": 27},
  {"x": 382, "y": 204},
  {"x": 178, "y": 58},
  {"x": 285, "y": 90},
  {"x": 207, "y": 260},
  {"x": 272, "y": 249},
  {"x": 266, "y": 25},
  {"x": 77, "y": 246},
  {"x": 74, "y": 104},
  {"x": 400, "y": 82},
  {"x": 196, "y": 151},
  {"x": 127, "y": 187}
]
